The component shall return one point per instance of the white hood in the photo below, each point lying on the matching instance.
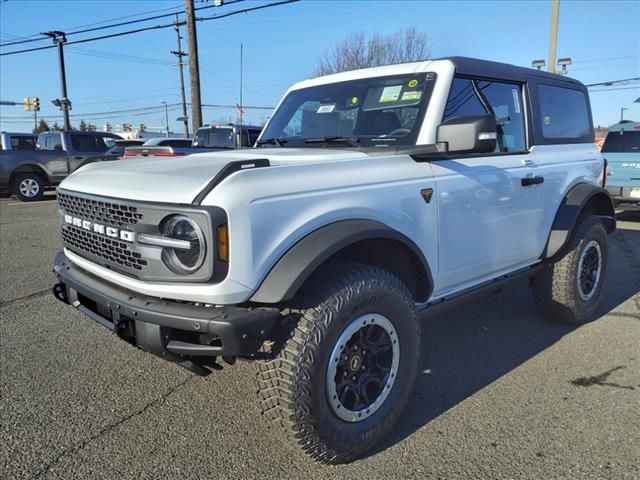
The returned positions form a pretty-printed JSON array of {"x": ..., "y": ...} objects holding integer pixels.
[{"x": 180, "y": 179}]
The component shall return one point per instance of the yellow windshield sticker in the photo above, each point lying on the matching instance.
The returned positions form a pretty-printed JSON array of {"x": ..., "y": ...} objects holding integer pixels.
[
  {"x": 390, "y": 94},
  {"x": 354, "y": 100},
  {"x": 415, "y": 95},
  {"x": 413, "y": 83}
]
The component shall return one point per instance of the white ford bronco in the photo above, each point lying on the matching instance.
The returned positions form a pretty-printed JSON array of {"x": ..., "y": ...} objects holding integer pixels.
[{"x": 373, "y": 197}]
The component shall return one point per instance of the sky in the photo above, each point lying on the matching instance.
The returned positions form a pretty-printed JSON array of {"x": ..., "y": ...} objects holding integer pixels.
[{"x": 282, "y": 45}]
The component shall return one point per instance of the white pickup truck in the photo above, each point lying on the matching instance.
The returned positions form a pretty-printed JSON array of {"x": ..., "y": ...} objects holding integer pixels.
[{"x": 374, "y": 197}]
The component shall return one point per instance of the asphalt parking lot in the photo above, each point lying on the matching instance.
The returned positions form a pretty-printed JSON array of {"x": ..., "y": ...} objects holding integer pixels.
[{"x": 502, "y": 393}]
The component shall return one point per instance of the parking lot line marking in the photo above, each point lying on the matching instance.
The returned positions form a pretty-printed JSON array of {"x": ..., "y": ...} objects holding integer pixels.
[{"x": 30, "y": 203}]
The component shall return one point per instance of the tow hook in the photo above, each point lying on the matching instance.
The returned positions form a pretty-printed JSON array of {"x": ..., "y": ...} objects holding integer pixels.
[{"x": 60, "y": 292}]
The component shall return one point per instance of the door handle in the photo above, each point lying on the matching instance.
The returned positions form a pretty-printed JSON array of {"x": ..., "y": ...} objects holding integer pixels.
[
  {"x": 527, "y": 181},
  {"x": 78, "y": 158},
  {"x": 527, "y": 161}
]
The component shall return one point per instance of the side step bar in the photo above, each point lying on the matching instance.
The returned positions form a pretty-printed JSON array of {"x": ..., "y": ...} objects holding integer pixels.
[{"x": 445, "y": 303}]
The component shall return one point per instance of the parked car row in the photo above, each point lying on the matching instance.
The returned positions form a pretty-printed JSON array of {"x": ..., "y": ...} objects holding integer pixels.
[
  {"x": 206, "y": 139},
  {"x": 30, "y": 164},
  {"x": 27, "y": 173}
]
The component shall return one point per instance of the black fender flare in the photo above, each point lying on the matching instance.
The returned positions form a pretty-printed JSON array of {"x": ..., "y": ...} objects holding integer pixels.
[
  {"x": 292, "y": 269},
  {"x": 581, "y": 198}
]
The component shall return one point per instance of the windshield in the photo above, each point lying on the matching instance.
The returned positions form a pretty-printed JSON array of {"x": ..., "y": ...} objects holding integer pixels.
[
  {"x": 378, "y": 112},
  {"x": 214, "y": 138},
  {"x": 622, "y": 142}
]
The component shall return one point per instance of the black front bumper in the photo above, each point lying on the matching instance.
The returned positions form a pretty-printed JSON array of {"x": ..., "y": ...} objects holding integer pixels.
[{"x": 178, "y": 331}]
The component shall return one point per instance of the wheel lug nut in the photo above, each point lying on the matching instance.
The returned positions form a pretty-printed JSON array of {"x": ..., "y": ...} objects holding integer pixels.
[{"x": 353, "y": 378}]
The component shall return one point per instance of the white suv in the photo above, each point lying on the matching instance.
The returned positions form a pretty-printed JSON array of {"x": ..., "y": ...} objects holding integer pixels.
[{"x": 374, "y": 196}]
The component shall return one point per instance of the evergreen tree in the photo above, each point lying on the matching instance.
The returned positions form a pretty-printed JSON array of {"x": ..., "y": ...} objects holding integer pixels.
[{"x": 43, "y": 126}]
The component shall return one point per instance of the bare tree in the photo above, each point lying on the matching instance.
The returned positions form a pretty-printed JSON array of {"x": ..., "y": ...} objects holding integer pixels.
[{"x": 360, "y": 50}]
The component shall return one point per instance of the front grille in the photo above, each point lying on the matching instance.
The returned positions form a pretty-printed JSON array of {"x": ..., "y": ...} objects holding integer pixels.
[
  {"x": 87, "y": 230},
  {"x": 112, "y": 250},
  {"x": 107, "y": 213}
]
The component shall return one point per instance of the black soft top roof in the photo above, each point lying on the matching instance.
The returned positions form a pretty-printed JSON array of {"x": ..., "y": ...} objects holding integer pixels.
[{"x": 485, "y": 68}]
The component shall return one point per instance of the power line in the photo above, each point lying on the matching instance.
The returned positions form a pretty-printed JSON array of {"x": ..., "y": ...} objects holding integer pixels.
[
  {"x": 121, "y": 24},
  {"x": 155, "y": 27},
  {"x": 615, "y": 89},
  {"x": 624, "y": 81},
  {"x": 139, "y": 111}
]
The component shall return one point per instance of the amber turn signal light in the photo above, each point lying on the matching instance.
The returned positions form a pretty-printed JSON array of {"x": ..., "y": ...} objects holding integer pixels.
[{"x": 223, "y": 243}]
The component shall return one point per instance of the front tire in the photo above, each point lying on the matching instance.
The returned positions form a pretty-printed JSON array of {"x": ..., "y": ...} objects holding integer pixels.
[
  {"x": 28, "y": 187},
  {"x": 569, "y": 290},
  {"x": 340, "y": 379}
]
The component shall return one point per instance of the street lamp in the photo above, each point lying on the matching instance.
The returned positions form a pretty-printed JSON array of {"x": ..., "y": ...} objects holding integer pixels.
[
  {"x": 539, "y": 64},
  {"x": 563, "y": 62},
  {"x": 166, "y": 115},
  {"x": 622, "y": 113}
]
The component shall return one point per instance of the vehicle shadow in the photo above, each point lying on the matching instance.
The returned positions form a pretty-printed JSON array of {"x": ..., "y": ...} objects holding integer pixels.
[{"x": 467, "y": 348}]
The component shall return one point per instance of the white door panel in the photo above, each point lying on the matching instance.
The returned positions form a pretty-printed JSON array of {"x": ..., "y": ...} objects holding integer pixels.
[{"x": 488, "y": 221}]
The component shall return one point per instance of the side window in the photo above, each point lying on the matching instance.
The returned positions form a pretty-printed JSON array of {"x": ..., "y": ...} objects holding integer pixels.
[
  {"x": 49, "y": 141},
  {"x": 89, "y": 143},
  {"x": 470, "y": 97},
  {"x": 563, "y": 113},
  {"x": 23, "y": 143},
  {"x": 253, "y": 136}
]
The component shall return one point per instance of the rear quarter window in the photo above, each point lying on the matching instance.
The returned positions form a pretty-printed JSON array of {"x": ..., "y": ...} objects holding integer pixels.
[
  {"x": 564, "y": 114},
  {"x": 622, "y": 142}
]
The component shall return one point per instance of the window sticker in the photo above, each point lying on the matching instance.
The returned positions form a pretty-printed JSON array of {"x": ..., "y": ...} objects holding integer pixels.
[
  {"x": 354, "y": 100},
  {"x": 326, "y": 108},
  {"x": 516, "y": 100},
  {"x": 390, "y": 94},
  {"x": 547, "y": 119},
  {"x": 413, "y": 83},
  {"x": 415, "y": 95}
]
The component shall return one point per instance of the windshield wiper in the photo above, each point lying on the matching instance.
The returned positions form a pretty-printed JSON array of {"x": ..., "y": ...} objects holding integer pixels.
[
  {"x": 351, "y": 141},
  {"x": 280, "y": 142}
]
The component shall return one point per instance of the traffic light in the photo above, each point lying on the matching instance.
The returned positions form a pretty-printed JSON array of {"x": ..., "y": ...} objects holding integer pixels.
[
  {"x": 92, "y": 128},
  {"x": 36, "y": 104},
  {"x": 107, "y": 127},
  {"x": 143, "y": 128},
  {"x": 27, "y": 104}
]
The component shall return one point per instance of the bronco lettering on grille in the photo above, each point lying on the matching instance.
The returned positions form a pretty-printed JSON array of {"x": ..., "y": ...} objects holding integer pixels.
[{"x": 124, "y": 235}]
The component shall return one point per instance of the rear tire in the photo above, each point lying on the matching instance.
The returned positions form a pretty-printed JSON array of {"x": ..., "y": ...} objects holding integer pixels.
[
  {"x": 356, "y": 341},
  {"x": 569, "y": 289},
  {"x": 28, "y": 187}
]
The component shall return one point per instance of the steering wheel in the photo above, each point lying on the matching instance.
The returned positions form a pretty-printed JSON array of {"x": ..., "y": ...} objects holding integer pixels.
[{"x": 399, "y": 132}]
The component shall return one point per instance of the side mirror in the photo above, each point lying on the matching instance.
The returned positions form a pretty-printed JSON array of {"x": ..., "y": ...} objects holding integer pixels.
[
  {"x": 476, "y": 134},
  {"x": 58, "y": 147}
]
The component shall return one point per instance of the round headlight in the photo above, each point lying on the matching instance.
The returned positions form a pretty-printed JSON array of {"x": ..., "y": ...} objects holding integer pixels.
[{"x": 187, "y": 260}]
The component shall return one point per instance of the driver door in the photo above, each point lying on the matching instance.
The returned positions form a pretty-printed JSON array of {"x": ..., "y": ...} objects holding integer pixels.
[{"x": 489, "y": 218}]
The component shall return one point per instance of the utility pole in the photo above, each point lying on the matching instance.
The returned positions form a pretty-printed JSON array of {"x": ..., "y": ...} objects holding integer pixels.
[
  {"x": 60, "y": 39},
  {"x": 241, "y": 112},
  {"x": 166, "y": 115},
  {"x": 553, "y": 35},
  {"x": 194, "y": 69},
  {"x": 181, "y": 54}
]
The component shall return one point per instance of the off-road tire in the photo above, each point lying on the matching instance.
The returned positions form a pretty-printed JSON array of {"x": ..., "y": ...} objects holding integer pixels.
[
  {"x": 555, "y": 289},
  {"x": 30, "y": 178},
  {"x": 291, "y": 385}
]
